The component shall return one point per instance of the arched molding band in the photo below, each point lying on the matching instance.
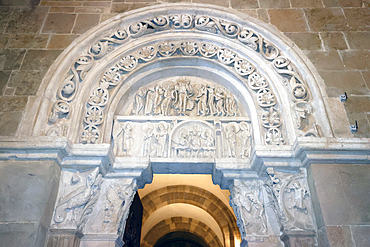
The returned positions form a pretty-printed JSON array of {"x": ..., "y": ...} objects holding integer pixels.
[{"x": 128, "y": 30}]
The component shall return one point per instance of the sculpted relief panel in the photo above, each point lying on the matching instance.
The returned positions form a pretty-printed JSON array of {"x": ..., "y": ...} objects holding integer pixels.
[{"x": 183, "y": 117}]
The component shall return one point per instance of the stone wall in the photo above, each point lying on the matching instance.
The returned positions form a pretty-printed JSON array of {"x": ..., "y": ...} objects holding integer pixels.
[{"x": 334, "y": 34}]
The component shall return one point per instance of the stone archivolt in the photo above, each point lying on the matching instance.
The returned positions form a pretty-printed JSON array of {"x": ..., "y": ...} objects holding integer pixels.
[{"x": 116, "y": 75}]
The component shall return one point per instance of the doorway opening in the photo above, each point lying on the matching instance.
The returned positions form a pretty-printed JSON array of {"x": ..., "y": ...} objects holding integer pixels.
[{"x": 187, "y": 210}]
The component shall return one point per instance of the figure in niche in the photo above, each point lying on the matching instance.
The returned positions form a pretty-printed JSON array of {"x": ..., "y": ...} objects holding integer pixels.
[
  {"x": 194, "y": 141},
  {"x": 231, "y": 137},
  {"x": 245, "y": 139},
  {"x": 139, "y": 102},
  {"x": 149, "y": 103},
  {"x": 230, "y": 105},
  {"x": 299, "y": 195},
  {"x": 211, "y": 101},
  {"x": 123, "y": 138},
  {"x": 158, "y": 100},
  {"x": 207, "y": 143},
  {"x": 255, "y": 218},
  {"x": 162, "y": 138},
  {"x": 150, "y": 142},
  {"x": 201, "y": 100},
  {"x": 183, "y": 143},
  {"x": 168, "y": 99},
  {"x": 220, "y": 101},
  {"x": 184, "y": 91}
]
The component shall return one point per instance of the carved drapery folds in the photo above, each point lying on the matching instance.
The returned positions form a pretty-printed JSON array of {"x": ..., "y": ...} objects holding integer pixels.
[
  {"x": 91, "y": 204},
  {"x": 253, "y": 79}
]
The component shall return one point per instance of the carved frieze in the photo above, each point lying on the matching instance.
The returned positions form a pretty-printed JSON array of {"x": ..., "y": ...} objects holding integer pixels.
[
  {"x": 116, "y": 75},
  {"x": 247, "y": 201},
  {"x": 289, "y": 195}
]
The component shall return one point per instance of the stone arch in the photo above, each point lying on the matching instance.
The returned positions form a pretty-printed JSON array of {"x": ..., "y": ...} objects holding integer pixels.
[
  {"x": 182, "y": 224},
  {"x": 242, "y": 44},
  {"x": 198, "y": 197}
]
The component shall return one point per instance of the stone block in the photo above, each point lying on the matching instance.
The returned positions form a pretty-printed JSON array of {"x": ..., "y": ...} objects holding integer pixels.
[
  {"x": 62, "y": 9},
  {"x": 358, "y": 18},
  {"x": 329, "y": 19},
  {"x": 62, "y": 3},
  {"x": 288, "y": 20},
  {"x": 334, "y": 40},
  {"x": 29, "y": 3},
  {"x": 359, "y": 60},
  {"x": 325, "y": 60},
  {"x": 366, "y": 75},
  {"x": 84, "y": 22},
  {"x": 105, "y": 17},
  {"x": 39, "y": 59},
  {"x": 361, "y": 235},
  {"x": 10, "y": 59},
  {"x": 358, "y": 40},
  {"x": 263, "y": 15},
  {"x": 250, "y": 12},
  {"x": 93, "y": 9},
  {"x": 18, "y": 234},
  {"x": 26, "y": 20},
  {"x": 306, "y": 41},
  {"x": 306, "y": 4},
  {"x": 9, "y": 122},
  {"x": 363, "y": 124},
  {"x": 244, "y": 4},
  {"x": 124, "y": 7},
  {"x": 342, "y": 3},
  {"x": 12, "y": 103},
  {"x": 357, "y": 104},
  {"x": 224, "y": 3},
  {"x": 28, "y": 190},
  {"x": 347, "y": 81},
  {"x": 4, "y": 40},
  {"x": 59, "y": 23},
  {"x": 4, "y": 77},
  {"x": 61, "y": 41},
  {"x": 28, "y": 41},
  {"x": 5, "y": 13},
  {"x": 277, "y": 4},
  {"x": 339, "y": 236},
  {"x": 26, "y": 82}
]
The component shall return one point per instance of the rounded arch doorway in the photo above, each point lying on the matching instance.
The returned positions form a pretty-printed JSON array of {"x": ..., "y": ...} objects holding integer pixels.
[{"x": 180, "y": 239}]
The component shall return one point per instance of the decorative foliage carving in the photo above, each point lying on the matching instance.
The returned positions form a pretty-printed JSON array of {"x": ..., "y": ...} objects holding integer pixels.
[
  {"x": 116, "y": 74},
  {"x": 289, "y": 194},
  {"x": 76, "y": 203},
  {"x": 247, "y": 201}
]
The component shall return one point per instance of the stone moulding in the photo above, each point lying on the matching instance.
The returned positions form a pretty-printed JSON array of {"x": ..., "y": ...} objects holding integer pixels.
[{"x": 303, "y": 112}]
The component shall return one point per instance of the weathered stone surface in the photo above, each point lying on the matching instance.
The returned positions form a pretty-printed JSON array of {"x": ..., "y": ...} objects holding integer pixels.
[
  {"x": 326, "y": 60},
  {"x": 356, "y": 59},
  {"x": 366, "y": 76},
  {"x": 342, "y": 3},
  {"x": 326, "y": 19},
  {"x": 338, "y": 118},
  {"x": 4, "y": 40},
  {"x": 358, "y": 18},
  {"x": 274, "y": 4},
  {"x": 306, "y": 41},
  {"x": 84, "y": 22},
  {"x": 39, "y": 59},
  {"x": 358, "y": 40},
  {"x": 62, "y": 9},
  {"x": 306, "y": 4},
  {"x": 343, "y": 192},
  {"x": 242, "y": 4},
  {"x": 224, "y": 3},
  {"x": 59, "y": 23},
  {"x": 11, "y": 58},
  {"x": 362, "y": 122},
  {"x": 4, "y": 77},
  {"x": 288, "y": 20},
  {"x": 263, "y": 15},
  {"x": 26, "y": 82},
  {"x": 60, "y": 41},
  {"x": 250, "y": 12},
  {"x": 30, "y": 3},
  {"x": 350, "y": 82},
  {"x": 124, "y": 7},
  {"x": 12, "y": 103},
  {"x": 339, "y": 236},
  {"x": 92, "y": 9},
  {"x": 26, "y": 20},
  {"x": 334, "y": 40},
  {"x": 5, "y": 13},
  {"x": 9, "y": 122},
  {"x": 28, "y": 41},
  {"x": 357, "y": 104},
  {"x": 361, "y": 235},
  {"x": 105, "y": 17}
]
